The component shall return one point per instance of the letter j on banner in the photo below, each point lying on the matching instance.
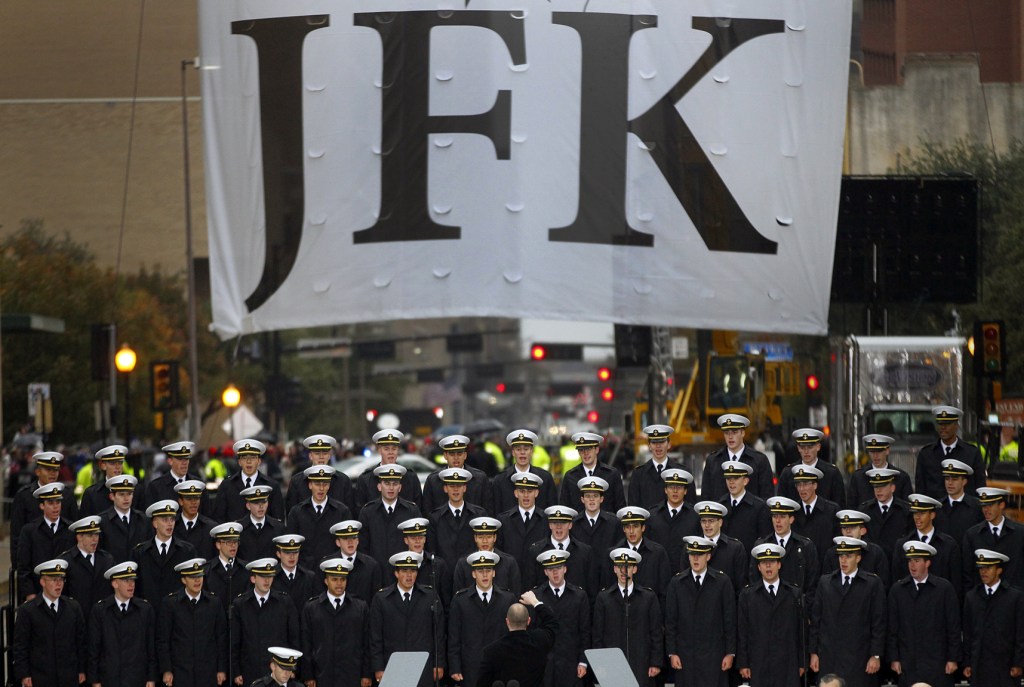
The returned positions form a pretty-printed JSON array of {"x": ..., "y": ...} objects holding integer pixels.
[{"x": 671, "y": 162}]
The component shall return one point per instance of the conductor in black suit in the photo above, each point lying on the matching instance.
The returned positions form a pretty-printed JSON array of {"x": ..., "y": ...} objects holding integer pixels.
[{"x": 521, "y": 655}]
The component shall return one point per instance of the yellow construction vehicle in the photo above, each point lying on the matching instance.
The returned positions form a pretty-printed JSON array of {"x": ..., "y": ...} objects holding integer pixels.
[{"x": 726, "y": 380}]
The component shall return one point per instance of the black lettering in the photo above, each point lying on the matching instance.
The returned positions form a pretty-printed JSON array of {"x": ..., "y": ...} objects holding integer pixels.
[
  {"x": 279, "y": 43},
  {"x": 405, "y": 37}
]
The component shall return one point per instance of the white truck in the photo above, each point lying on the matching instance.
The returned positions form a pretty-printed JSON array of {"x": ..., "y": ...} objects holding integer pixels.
[{"x": 888, "y": 385}]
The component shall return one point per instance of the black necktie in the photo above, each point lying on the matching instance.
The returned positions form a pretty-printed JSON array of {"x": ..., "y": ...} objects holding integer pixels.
[
  {"x": 782, "y": 542},
  {"x": 337, "y": 604},
  {"x": 735, "y": 503},
  {"x": 771, "y": 590},
  {"x": 458, "y": 513},
  {"x": 319, "y": 510},
  {"x": 180, "y": 480},
  {"x": 557, "y": 592},
  {"x": 248, "y": 482},
  {"x": 526, "y": 518},
  {"x": 949, "y": 449},
  {"x": 995, "y": 533},
  {"x": 88, "y": 559},
  {"x": 261, "y": 601},
  {"x": 807, "y": 509},
  {"x": 53, "y": 606},
  {"x": 408, "y": 597},
  {"x": 593, "y": 522},
  {"x": 561, "y": 546},
  {"x": 189, "y": 524},
  {"x": 163, "y": 549},
  {"x": 990, "y": 591},
  {"x": 660, "y": 468},
  {"x": 228, "y": 566},
  {"x": 696, "y": 581},
  {"x": 924, "y": 538},
  {"x": 291, "y": 577},
  {"x": 124, "y": 519},
  {"x": 625, "y": 593},
  {"x": 53, "y": 527},
  {"x": 885, "y": 509},
  {"x": 195, "y": 602},
  {"x": 124, "y": 608},
  {"x": 846, "y": 583},
  {"x": 390, "y": 511},
  {"x": 672, "y": 513},
  {"x": 484, "y": 595},
  {"x": 259, "y": 526}
]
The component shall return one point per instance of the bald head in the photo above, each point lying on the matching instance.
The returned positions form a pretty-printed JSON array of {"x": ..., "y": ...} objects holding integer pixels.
[{"x": 518, "y": 617}]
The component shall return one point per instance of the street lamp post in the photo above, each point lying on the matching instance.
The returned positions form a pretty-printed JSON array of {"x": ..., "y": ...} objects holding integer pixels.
[
  {"x": 125, "y": 361},
  {"x": 231, "y": 397}
]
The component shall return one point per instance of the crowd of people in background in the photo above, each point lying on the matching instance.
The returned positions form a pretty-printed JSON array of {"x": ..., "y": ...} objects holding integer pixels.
[{"x": 280, "y": 561}]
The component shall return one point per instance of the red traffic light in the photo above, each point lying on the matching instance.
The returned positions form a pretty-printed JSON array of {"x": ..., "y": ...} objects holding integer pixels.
[
  {"x": 812, "y": 382},
  {"x": 538, "y": 352},
  {"x": 593, "y": 416},
  {"x": 604, "y": 373},
  {"x": 607, "y": 394},
  {"x": 500, "y": 387}
]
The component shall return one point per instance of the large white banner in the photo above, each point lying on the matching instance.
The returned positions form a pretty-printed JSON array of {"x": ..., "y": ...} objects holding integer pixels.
[{"x": 666, "y": 162}]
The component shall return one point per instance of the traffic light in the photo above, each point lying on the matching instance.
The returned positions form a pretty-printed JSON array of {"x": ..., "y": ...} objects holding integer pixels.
[
  {"x": 813, "y": 386},
  {"x": 989, "y": 349},
  {"x": 607, "y": 394},
  {"x": 604, "y": 374},
  {"x": 812, "y": 382},
  {"x": 500, "y": 387},
  {"x": 556, "y": 351},
  {"x": 593, "y": 416},
  {"x": 165, "y": 387}
]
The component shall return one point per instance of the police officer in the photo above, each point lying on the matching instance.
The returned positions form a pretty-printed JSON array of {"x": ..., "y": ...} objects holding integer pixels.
[
  {"x": 283, "y": 664},
  {"x": 656, "y": 571},
  {"x": 293, "y": 579},
  {"x": 877, "y": 448},
  {"x": 96, "y": 498},
  {"x": 853, "y": 523},
  {"x": 320, "y": 448},
  {"x": 389, "y": 442},
  {"x": 42, "y": 539},
  {"x": 434, "y": 570},
  {"x": 158, "y": 556},
  {"x": 734, "y": 428},
  {"x": 993, "y": 625},
  {"x": 230, "y": 504},
  {"x": 960, "y": 511},
  {"x": 996, "y": 533},
  {"x": 313, "y": 516},
  {"x": 179, "y": 454},
  {"x": 890, "y": 516},
  {"x": 450, "y": 534},
  {"x": 848, "y": 620},
  {"x": 748, "y": 519},
  {"x": 808, "y": 444},
  {"x": 728, "y": 554},
  {"x": 594, "y": 525},
  {"x": 525, "y": 522},
  {"x": 121, "y": 526},
  {"x": 946, "y": 562},
  {"x": 336, "y": 633},
  {"x": 86, "y": 563},
  {"x": 122, "y": 628},
  {"x": 405, "y": 616},
  {"x": 380, "y": 537},
  {"x": 583, "y": 572},
  {"x": 46, "y": 649},
  {"x": 646, "y": 486},
  {"x": 226, "y": 576},
  {"x": 192, "y": 526},
  {"x": 567, "y": 662},
  {"x": 924, "y": 622},
  {"x": 478, "y": 488},
  {"x": 800, "y": 566},
  {"x": 259, "y": 618},
  {"x": 485, "y": 536},
  {"x": 476, "y": 618},
  {"x": 928, "y": 478},
  {"x": 628, "y": 616},
  {"x": 192, "y": 632},
  {"x": 258, "y": 528},
  {"x": 25, "y": 508},
  {"x": 521, "y": 443},
  {"x": 366, "y": 575},
  {"x": 770, "y": 624},
  {"x": 588, "y": 444}
]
